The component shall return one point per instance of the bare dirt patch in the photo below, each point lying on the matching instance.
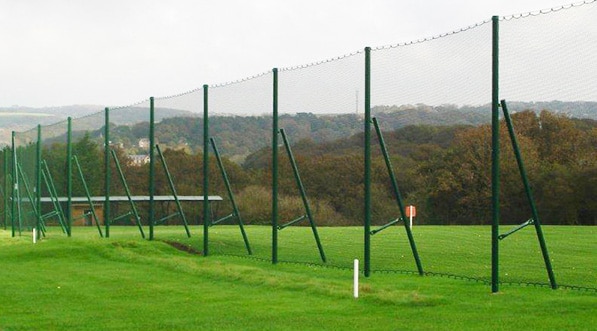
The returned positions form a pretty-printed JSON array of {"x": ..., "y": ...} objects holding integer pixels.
[{"x": 185, "y": 248}]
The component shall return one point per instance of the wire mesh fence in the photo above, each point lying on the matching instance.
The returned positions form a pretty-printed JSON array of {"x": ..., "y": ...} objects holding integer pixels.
[{"x": 287, "y": 148}]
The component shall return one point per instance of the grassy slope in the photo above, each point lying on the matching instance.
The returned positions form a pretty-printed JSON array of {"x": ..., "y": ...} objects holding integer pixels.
[{"x": 127, "y": 283}]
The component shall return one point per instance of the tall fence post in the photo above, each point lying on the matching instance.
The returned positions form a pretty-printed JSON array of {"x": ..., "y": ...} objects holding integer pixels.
[
  {"x": 14, "y": 185},
  {"x": 275, "y": 169},
  {"x": 367, "y": 179},
  {"x": 206, "y": 218},
  {"x": 6, "y": 186},
  {"x": 38, "y": 179},
  {"x": 151, "y": 167},
  {"x": 69, "y": 176},
  {"x": 495, "y": 157},
  {"x": 107, "y": 174}
]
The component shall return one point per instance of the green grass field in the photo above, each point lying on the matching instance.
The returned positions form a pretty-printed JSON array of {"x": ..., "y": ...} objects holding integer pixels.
[{"x": 128, "y": 283}]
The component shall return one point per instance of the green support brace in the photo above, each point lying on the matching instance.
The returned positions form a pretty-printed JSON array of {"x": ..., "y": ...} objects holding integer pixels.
[
  {"x": 367, "y": 156},
  {"x": 495, "y": 156},
  {"x": 30, "y": 196},
  {"x": 301, "y": 188},
  {"x": 516, "y": 229},
  {"x": 88, "y": 195},
  {"x": 133, "y": 211},
  {"x": 387, "y": 225},
  {"x": 173, "y": 190},
  {"x": 235, "y": 211},
  {"x": 275, "y": 168},
  {"x": 397, "y": 195},
  {"x": 529, "y": 193},
  {"x": 58, "y": 211}
]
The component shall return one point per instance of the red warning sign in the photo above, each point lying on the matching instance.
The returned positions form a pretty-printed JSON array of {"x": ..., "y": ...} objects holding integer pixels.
[{"x": 411, "y": 211}]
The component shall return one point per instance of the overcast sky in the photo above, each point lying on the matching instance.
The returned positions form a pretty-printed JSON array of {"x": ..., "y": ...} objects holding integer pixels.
[{"x": 117, "y": 52}]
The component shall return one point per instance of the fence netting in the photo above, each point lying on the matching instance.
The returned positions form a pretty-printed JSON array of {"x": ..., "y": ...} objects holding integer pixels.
[
  {"x": 431, "y": 100},
  {"x": 178, "y": 150},
  {"x": 25, "y": 180},
  {"x": 548, "y": 66},
  {"x": 240, "y": 130}
]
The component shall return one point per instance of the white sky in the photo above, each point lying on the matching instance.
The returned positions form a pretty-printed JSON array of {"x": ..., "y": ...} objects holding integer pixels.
[{"x": 117, "y": 52}]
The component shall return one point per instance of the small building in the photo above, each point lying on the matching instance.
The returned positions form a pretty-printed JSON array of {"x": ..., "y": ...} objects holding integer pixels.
[
  {"x": 81, "y": 214},
  {"x": 143, "y": 143},
  {"x": 138, "y": 159}
]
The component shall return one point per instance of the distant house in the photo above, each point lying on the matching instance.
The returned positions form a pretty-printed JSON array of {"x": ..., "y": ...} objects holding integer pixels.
[
  {"x": 143, "y": 143},
  {"x": 139, "y": 159},
  {"x": 116, "y": 145}
]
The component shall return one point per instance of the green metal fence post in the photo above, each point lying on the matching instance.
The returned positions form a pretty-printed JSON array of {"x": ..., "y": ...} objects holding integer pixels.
[
  {"x": 107, "y": 171},
  {"x": 367, "y": 175},
  {"x": 206, "y": 218},
  {"x": 495, "y": 157},
  {"x": 15, "y": 186},
  {"x": 59, "y": 212},
  {"x": 6, "y": 187},
  {"x": 38, "y": 181},
  {"x": 275, "y": 168},
  {"x": 398, "y": 196},
  {"x": 151, "y": 167},
  {"x": 69, "y": 179},
  {"x": 529, "y": 194}
]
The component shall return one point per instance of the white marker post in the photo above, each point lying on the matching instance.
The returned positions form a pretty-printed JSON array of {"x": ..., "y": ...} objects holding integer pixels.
[
  {"x": 34, "y": 235},
  {"x": 411, "y": 212},
  {"x": 356, "y": 278}
]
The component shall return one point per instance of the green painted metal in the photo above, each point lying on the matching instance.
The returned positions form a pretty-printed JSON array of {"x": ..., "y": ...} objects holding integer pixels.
[
  {"x": 206, "y": 207},
  {"x": 275, "y": 168},
  {"x": 38, "y": 183},
  {"x": 58, "y": 211},
  {"x": 6, "y": 187},
  {"x": 387, "y": 225},
  {"x": 516, "y": 229},
  {"x": 15, "y": 187},
  {"x": 398, "y": 196},
  {"x": 367, "y": 175},
  {"x": 88, "y": 195},
  {"x": 173, "y": 190},
  {"x": 69, "y": 176},
  {"x": 301, "y": 188},
  {"x": 152, "y": 167},
  {"x": 235, "y": 211},
  {"x": 29, "y": 192},
  {"x": 296, "y": 220},
  {"x": 2, "y": 191},
  {"x": 134, "y": 212},
  {"x": 223, "y": 219},
  {"x": 530, "y": 198},
  {"x": 107, "y": 172},
  {"x": 495, "y": 157}
]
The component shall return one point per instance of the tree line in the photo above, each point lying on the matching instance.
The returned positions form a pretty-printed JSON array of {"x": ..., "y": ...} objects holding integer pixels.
[{"x": 444, "y": 170}]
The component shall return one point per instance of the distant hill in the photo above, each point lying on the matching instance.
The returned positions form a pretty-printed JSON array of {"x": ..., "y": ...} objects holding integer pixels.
[{"x": 239, "y": 136}]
